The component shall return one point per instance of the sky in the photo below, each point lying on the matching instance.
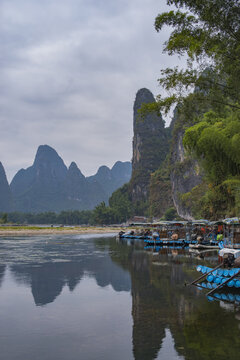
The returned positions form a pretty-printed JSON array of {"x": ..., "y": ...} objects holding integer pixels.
[{"x": 69, "y": 73}]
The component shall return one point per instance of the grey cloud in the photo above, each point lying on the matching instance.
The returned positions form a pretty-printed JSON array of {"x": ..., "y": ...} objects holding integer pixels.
[{"x": 69, "y": 72}]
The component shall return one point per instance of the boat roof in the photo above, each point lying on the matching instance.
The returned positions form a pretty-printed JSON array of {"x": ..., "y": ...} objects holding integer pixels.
[
  {"x": 160, "y": 223},
  {"x": 234, "y": 220},
  {"x": 203, "y": 222},
  {"x": 226, "y": 251},
  {"x": 219, "y": 222}
]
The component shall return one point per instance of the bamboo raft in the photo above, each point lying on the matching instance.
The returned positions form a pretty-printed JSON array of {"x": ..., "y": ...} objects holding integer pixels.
[{"x": 223, "y": 276}]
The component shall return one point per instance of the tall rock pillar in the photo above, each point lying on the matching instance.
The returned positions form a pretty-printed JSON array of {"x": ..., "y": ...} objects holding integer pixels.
[{"x": 150, "y": 146}]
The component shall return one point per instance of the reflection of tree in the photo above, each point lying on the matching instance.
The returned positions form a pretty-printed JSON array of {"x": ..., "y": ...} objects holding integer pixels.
[
  {"x": 160, "y": 301},
  {"x": 211, "y": 333}
]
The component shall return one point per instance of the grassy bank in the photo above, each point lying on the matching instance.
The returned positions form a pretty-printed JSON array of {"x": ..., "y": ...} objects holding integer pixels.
[{"x": 38, "y": 230}]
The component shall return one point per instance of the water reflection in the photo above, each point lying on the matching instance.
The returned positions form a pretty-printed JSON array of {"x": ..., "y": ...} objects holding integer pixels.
[
  {"x": 2, "y": 272},
  {"x": 161, "y": 301},
  {"x": 164, "y": 320},
  {"x": 47, "y": 265},
  {"x": 168, "y": 350}
]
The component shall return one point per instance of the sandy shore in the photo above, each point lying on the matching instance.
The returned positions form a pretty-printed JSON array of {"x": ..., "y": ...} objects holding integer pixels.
[{"x": 25, "y": 231}]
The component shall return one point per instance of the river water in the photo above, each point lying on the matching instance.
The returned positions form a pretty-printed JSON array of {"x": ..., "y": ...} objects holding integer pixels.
[{"x": 93, "y": 297}]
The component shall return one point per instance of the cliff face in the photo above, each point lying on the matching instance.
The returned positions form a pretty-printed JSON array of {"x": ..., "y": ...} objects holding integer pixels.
[
  {"x": 160, "y": 192},
  {"x": 150, "y": 146},
  {"x": 5, "y": 192},
  {"x": 185, "y": 172},
  {"x": 163, "y": 174}
]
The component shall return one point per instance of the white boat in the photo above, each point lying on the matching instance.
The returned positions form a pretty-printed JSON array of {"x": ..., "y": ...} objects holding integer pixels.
[{"x": 225, "y": 252}]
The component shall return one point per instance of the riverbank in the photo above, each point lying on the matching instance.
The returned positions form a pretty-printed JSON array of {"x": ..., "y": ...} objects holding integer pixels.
[{"x": 39, "y": 230}]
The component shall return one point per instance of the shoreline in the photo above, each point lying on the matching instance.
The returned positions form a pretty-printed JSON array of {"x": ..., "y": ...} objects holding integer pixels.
[{"x": 24, "y": 231}]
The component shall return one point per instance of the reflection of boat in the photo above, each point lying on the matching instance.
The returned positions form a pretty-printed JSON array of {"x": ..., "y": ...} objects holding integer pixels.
[
  {"x": 211, "y": 254},
  {"x": 231, "y": 296},
  {"x": 206, "y": 246},
  {"x": 132, "y": 235},
  {"x": 158, "y": 248},
  {"x": 167, "y": 242},
  {"x": 204, "y": 251}
]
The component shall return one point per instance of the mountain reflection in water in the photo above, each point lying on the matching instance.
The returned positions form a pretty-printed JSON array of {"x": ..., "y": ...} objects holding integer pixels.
[
  {"x": 163, "y": 320},
  {"x": 52, "y": 264}
]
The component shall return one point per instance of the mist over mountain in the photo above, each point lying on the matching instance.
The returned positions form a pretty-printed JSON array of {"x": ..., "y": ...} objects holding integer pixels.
[{"x": 48, "y": 185}]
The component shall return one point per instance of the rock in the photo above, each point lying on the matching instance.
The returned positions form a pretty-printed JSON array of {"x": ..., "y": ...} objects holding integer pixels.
[
  {"x": 6, "y": 201},
  {"x": 185, "y": 171},
  {"x": 150, "y": 146}
]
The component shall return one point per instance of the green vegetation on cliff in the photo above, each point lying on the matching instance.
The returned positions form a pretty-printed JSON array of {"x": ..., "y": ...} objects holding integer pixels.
[
  {"x": 208, "y": 33},
  {"x": 215, "y": 141},
  {"x": 160, "y": 198}
]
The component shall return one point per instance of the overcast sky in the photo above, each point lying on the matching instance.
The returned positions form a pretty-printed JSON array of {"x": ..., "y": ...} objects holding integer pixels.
[{"x": 69, "y": 73}]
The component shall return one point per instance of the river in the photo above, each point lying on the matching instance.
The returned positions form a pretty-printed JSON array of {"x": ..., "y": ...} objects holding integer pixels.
[{"x": 92, "y": 297}]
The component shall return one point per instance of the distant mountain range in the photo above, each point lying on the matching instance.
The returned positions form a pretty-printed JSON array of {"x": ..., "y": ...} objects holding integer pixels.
[{"x": 48, "y": 185}]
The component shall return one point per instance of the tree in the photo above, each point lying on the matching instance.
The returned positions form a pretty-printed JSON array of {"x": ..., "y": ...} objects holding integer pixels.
[
  {"x": 121, "y": 204},
  {"x": 170, "y": 214},
  {"x": 216, "y": 143},
  {"x": 209, "y": 35},
  {"x": 4, "y": 218},
  {"x": 103, "y": 215}
]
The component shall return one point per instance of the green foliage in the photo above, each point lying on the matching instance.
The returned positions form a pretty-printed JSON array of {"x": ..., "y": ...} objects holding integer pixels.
[
  {"x": 120, "y": 202},
  {"x": 146, "y": 109},
  {"x": 160, "y": 198},
  {"x": 208, "y": 33},
  {"x": 216, "y": 142},
  {"x": 213, "y": 201},
  {"x": 193, "y": 201},
  {"x": 4, "y": 218},
  {"x": 103, "y": 214},
  {"x": 170, "y": 214},
  {"x": 65, "y": 217}
]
